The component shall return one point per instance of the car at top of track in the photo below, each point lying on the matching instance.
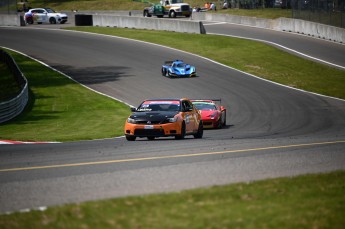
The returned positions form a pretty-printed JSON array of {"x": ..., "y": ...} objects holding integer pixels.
[
  {"x": 44, "y": 15},
  {"x": 164, "y": 117},
  {"x": 177, "y": 68},
  {"x": 212, "y": 114}
]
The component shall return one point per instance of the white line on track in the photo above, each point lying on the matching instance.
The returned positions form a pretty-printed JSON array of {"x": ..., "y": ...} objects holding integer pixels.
[{"x": 283, "y": 47}]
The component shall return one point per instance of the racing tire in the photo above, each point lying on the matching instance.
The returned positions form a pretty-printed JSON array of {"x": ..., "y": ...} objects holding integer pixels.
[
  {"x": 224, "y": 123},
  {"x": 200, "y": 132},
  {"x": 130, "y": 138},
  {"x": 219, "y": 124},
  {"x": 52, "y": 20},
  {"x": 30, "y": 21},
  {"x": 183, "y": 132},
  {"x": 172, "y": 14},
  {"x": 164, "y": 72},
  {"x": 146, "y": 14},
  {"x": 151, "y": 138}
]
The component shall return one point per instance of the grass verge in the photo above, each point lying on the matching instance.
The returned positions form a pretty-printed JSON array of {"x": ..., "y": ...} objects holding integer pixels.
[
  {"x": 309, "y": 201},
  {"x": 253, "y": 57},
  {"x": 62, "y": 110}
]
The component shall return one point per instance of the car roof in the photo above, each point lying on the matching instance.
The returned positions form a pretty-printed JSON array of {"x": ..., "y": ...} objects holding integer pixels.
[{"x": 166, "y": 99}]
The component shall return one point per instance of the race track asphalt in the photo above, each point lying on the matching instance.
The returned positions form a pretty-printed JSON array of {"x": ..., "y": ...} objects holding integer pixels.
[{"x": 272, "y": 130}]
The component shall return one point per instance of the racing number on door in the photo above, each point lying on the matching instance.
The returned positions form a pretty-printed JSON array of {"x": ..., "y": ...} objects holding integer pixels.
[{"x": 189, "y": 116}]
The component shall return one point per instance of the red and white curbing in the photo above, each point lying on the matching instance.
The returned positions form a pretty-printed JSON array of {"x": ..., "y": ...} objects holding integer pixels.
[{"x": 21, "y": 142}]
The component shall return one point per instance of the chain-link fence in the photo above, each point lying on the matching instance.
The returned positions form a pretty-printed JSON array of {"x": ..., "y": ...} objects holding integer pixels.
[{"x": 329, "y": 12}]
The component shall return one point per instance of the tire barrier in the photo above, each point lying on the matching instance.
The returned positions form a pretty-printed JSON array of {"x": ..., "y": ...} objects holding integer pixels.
[
  {"x": 83, "y": 20},
  {"x": 182, "y": 26},
  {"x": 13, "y": 107}
]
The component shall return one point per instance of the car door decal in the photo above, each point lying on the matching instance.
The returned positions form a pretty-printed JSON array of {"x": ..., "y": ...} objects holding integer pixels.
[{"x": 187, "y": 119}]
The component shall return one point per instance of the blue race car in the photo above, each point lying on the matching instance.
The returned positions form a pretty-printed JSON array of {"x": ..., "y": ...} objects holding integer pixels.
[{"x": 178, "y": 68}]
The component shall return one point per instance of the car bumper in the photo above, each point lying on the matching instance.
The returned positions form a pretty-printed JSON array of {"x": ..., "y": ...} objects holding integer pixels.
[
  {"x": 193, "y": 74},
  {"x": 158, "y": 130},
  {"x": 210, "y": 123},
  {"x": 184, "y": 13}
]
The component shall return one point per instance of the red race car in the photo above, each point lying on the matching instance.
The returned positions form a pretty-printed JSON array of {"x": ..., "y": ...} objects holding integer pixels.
[{"x": 212, "y": 114}]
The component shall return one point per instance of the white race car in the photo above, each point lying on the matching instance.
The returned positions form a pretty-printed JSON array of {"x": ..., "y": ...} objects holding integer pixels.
[{"x": 44, "y": 15}]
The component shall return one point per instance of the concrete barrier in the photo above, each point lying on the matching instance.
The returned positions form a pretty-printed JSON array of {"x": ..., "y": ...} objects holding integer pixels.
[
  {"x": 314, "y": 29},
  {"x": 11, "y": 20},
  {"x": 184, "y": 26}
]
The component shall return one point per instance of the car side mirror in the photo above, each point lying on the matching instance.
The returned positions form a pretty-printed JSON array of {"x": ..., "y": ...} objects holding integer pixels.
[{"x": 133, "y": 109}]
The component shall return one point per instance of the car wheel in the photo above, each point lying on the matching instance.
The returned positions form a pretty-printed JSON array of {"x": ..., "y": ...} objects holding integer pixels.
[
  {"x": 30, "y": 21},
  {"x": 224, "y": 122},
  {"x": 200, "y": 131},
  {"x": 130, "y": 138},
  {"x": 146, "y": 14},
  {"x": 172, "y": 14},
  {"x": 183, "y": 132},
  {"x": 164, "y": 72},
  {"x": 219, "y": 124},
  {"x": 151, "y": 138},
  {"x": 52, "y": 20}
]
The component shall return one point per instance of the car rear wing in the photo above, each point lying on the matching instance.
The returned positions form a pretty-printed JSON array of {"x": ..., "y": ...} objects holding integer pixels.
[
  {"x": 168, "y": 62},
  {"x": 215, "y": 100}
]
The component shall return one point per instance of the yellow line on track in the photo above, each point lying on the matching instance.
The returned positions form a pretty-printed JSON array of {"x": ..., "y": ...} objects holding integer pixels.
[{"x": 167, "y": 157}]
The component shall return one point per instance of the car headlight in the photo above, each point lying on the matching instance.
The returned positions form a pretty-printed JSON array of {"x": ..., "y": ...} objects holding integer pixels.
[
  {"x": 172, "y": 119},
  {"x": 214, "y": 115},
  {"x": 131, "y": 120}
]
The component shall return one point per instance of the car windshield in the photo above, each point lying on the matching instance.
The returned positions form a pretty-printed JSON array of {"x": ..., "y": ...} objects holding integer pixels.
[
  {"x": 50, "y": 10},
  {"x": 180, "y": 65},
  {"x": 205, "y": 106},
  {"x": 159, "y": 106},
  {"x": 176, "y": 1}
]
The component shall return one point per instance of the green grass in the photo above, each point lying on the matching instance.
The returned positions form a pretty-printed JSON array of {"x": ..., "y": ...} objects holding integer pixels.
[
  {"x": 309, "y": 201},
  {"x": 62, "y": 110},
  {"x": 8, "y": 86},
  {"x": 253, "y": 57},
  {"x": 269, "y": 13}
]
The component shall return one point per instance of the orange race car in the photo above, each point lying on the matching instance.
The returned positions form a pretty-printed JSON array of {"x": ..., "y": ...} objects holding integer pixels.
[{"x": 164, "y": 117}]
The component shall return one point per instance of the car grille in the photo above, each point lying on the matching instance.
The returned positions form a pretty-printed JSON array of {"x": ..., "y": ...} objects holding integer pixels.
[
  {"x": 185, "y": 8},
  {"x": 149, "y": 123},
  {"x": 207, "y": 123},
  {"x": 149, "y": 132}
]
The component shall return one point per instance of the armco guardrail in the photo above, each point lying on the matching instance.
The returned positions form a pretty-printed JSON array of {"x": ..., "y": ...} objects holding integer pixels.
[
  {"x": 11, "y": 108},
  {"x": 184, "y": 26},
  {"x": 281, "y": 24},
  {"x": 11, "y": 20}
]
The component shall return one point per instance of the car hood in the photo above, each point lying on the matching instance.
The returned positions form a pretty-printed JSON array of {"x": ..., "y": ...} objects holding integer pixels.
[
  {"x": 205, "y": 114},
  {"x": 153, "y": 116},
  {"x": 58, "y": 14},
  {"x": 183, "y": 70}
]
